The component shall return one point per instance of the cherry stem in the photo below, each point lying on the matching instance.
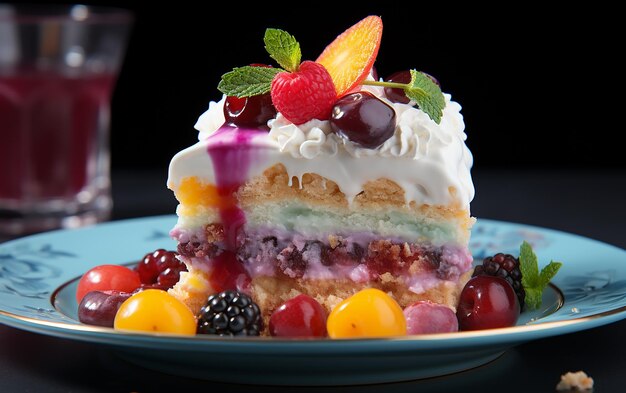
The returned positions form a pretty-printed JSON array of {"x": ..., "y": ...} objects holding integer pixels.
[{"x": 395, "y": 85}]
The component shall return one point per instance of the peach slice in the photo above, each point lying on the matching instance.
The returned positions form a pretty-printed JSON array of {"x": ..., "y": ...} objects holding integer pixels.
[{"x": 350, "y": 57}]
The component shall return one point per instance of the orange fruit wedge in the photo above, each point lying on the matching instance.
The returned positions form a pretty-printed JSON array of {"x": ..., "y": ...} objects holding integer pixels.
[{"x": 350, "y": 57}]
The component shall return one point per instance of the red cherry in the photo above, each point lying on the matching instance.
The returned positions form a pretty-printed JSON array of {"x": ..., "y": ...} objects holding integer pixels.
[
  {"x": 301, "y": 316},
  {"x": 107, "y": 277},
  {"x": 487, "y": 302},
  {"x": 160, "y": 269}
]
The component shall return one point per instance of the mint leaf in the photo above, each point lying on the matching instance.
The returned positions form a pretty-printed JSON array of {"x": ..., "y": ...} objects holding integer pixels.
[
  {"x": 534, "y": 282},
  {"x": 533, "y": 298},
  {"x": 528, "y": 266},
  {"x": 548, "y": 272},
  {"x": 426, "y": 94},
  {"x": 283, "y": 48},
  {"x": 248, "y": 81}
]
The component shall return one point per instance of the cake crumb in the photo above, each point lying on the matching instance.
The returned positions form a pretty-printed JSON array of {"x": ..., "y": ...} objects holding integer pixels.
[{"x": 578, "y": 381}]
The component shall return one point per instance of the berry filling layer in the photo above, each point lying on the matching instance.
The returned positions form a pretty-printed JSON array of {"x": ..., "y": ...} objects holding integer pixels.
[{"x": 359, "y": 257}]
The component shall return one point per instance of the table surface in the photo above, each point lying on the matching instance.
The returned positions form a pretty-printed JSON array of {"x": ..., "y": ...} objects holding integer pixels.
[{"x": 588, "y": 203}]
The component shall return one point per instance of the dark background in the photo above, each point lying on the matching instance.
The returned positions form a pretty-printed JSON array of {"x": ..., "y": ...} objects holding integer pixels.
[{"x": 534, "y": 85}]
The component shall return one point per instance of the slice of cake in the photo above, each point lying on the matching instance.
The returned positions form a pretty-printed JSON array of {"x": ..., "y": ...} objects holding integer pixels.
[{"x": 325, "y": 181}]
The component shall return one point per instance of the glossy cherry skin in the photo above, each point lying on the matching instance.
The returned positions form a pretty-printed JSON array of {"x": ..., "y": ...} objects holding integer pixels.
[
  {"x": 107, "y": 277},
  {"x": 301, "y": 316},
  {"x": 395, "y": 94},
  {"x": 363, "y": 119},
  {"x": 487, "y": 302},
  {"x": 160, "y": 269},
  {"x": 251, "y": 112},
  {"x": 99, "y": 307}
]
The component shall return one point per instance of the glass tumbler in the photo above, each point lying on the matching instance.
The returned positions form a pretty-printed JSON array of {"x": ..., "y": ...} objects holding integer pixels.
[{"x": 58, "y": 67}]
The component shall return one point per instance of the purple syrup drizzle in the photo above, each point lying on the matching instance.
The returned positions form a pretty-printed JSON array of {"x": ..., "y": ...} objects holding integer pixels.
[{"x": 231, "y": 153}]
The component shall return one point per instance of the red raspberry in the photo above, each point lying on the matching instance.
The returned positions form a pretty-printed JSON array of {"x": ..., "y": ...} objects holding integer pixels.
[{"x": 306, "y": 94}]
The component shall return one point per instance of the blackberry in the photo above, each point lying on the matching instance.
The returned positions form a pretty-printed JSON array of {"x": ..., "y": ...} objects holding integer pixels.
[
  {"x": 230, "y": 313},
  {"x": 507, "y": 267}
]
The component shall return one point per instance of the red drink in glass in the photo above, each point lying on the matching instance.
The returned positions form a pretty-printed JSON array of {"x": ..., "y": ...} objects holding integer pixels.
[
  {"x": 58, "y": 65},
  {"x": 50, "y": 130}
]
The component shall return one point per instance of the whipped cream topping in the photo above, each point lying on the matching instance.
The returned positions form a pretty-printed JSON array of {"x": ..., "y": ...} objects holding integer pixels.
[
  {"x": 211, "y": 120},
  {"x": 430, "y": 161}
]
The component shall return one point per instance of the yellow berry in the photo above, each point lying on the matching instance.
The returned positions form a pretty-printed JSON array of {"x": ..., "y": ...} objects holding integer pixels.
[
  {"x": 154, "y": 310},
  {"x": 368, "y": 313}
]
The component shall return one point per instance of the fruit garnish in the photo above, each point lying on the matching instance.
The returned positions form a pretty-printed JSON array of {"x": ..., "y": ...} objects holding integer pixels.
[
  {"x": 154, "y": 310},
  {"x": 368, "y": 313},
  {"x": 504, "y": 266},
  {"x": 350, "y": 57},
  {"x": 249, "y": 111},
  {"x": 370, "y": 131},
  {"x": 230, "y": 313},
  {"x": 107, "y": 277},
  {"x": 160, "y": 269},
  {"x": 99, "y": 307},
  {"x": 534, "y": 281},
  {"x": 487, "y": 302},
  {"x": 307, "y": 90},
  {"x": 421, "y": 89},
  {"x": 425, "y": 317},
  {"x": 301, "y": 316},
  {"x": 397, "y": 95},
  {"x": 248, "y": 81},
  {"x": 305, "y": 94},
  {"x": 284, "y": 48},
  {"x": 300, "y": 91}
]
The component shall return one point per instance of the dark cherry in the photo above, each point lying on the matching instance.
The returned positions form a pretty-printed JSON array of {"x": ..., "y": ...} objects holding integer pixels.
[
  {"x": 363, "y": 119},
  {"x": 395, "y": 94},
  {"x": 487, "y": 302},
  {"x": 249, "y": 111},
  {"x": 301, "y": 316},
  {"x": 99, "y": 307}
]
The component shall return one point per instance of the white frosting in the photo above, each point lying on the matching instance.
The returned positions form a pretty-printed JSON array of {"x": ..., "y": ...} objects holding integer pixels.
[
  {"x": 429, "y": 161},
  {"x": 211, "y": 120}
]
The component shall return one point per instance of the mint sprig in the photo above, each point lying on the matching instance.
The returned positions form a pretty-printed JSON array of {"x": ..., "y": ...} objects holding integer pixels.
[
  {"x": 247, "y": 81},
  {"x": 535, "y": 282},
  {"x": 283, "y": 48},
  {"x": 426, "y": 93},
  {"x": 251, "y": 81}
]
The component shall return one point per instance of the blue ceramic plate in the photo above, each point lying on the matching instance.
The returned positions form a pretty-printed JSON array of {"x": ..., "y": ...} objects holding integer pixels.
[{"x": 38, "y": 277}]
